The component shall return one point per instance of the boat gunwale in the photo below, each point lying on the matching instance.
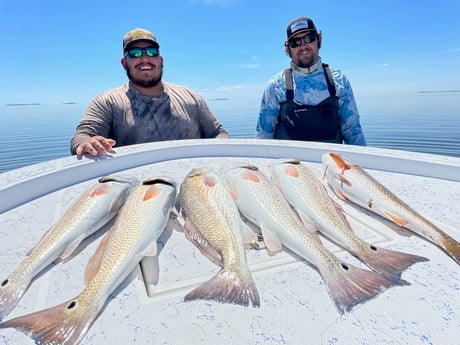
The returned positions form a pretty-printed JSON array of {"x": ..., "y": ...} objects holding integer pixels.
[{"x": 65, "y": 172}]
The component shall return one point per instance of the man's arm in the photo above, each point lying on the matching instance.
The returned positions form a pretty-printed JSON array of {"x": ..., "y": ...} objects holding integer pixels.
[
  {"x": 349, "y": 114},
  {"x": 92, "y": 133}
]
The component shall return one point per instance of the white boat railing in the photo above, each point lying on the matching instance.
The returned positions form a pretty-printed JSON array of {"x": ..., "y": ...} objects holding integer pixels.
[{"x": 22, "y": 185}]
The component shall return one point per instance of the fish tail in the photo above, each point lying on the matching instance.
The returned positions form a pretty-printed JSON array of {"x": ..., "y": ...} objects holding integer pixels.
[
  {"x": 228, "y": 287},
  {"x": 64, "y": 324},
  {"x": 451, "y": 247},
  {"x": 10, "y": 295},
  {"x": 390, "y": 263},
  {"x": 351, "y": 285}
]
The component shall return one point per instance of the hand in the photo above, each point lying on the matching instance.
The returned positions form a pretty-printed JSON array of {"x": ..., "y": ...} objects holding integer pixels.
[{"x": 96, "y": 146}]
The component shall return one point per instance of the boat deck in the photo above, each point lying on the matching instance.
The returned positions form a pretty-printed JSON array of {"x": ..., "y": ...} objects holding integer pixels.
[{"x": 295, "y": 306}]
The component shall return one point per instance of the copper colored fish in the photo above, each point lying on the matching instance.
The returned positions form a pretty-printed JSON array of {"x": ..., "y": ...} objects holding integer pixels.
[{"x": 350, "y": 182}]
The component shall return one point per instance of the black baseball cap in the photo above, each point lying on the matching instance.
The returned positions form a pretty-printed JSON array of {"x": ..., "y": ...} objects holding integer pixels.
[{"x": 302, "y": 24}]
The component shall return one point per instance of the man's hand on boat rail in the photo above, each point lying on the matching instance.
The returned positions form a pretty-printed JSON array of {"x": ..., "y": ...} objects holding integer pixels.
[{"x": 96, "y": 146}]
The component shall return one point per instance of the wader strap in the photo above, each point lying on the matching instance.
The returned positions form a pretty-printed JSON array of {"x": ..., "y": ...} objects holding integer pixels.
[
  {"x": 289, "y": 92},
  {"x": 329, "y": 80}
]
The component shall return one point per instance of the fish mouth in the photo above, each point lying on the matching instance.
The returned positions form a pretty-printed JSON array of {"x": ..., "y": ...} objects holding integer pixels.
[
  {"x": 248, "y": 166},
  {"x": 197, "y": 172},
  {"x": 132, "y": 180},
  {"x": 288, "y": 160},
  {"x": 159, "y": 179}
]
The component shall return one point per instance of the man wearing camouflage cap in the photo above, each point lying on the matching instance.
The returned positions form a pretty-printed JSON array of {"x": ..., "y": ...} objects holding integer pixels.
[
  {"x": 144, "y": 109},
  {"x": 309, "y": 101}
]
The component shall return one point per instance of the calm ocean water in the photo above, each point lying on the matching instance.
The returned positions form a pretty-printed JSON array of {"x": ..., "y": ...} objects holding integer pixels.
[{"x": 35, "y": 133}]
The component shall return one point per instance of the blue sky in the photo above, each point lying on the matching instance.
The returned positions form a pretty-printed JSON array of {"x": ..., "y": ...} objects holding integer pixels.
[{"x": 59, "y": 51}]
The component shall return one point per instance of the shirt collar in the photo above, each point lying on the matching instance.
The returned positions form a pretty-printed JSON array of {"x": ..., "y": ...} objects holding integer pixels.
[{"x": 307, "y": 70}]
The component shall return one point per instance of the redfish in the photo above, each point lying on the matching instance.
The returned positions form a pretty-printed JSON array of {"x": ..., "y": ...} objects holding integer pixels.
[
  {"x": 214, "y": 225},
  {"x": 308, "y": 196},
  {"x": 260, "y": 201},
  {"x": 87, "y": 214},
  {"x": 351, "y": 182},
  {"x": 140, "y": 222}
]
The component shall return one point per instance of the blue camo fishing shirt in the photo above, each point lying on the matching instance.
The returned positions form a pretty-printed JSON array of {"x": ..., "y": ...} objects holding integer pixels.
[{"x": 310, "y": 89}]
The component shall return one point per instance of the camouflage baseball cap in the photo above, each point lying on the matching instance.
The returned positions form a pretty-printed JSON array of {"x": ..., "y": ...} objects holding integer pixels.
[{"x": 137, "y": 35}]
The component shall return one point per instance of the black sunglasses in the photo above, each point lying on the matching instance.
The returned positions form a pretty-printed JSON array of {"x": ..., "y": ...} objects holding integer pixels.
[
  {"x": 137, "y": 52},
  {"x": 297, "y": 41}
]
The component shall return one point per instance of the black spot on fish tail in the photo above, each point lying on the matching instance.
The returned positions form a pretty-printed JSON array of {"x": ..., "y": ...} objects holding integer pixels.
[
  {"x": 390, "y": 263},
  {"x": 72, "y": 305}
]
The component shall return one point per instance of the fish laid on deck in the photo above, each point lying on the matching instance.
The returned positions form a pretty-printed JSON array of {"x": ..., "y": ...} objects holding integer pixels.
[
  {"x": 351, "y": 182},
  {"x": 214, "y": 225},
  {"x": 262, "y": 202},
  {"x": 87, "y": 214},
  {"x": 308, "y": 196},
  {"x": 138, "y": 225}
]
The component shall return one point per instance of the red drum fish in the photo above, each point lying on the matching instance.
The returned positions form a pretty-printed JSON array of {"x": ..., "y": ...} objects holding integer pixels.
[
  {"x": 260, "y": 201},
  {"x": 134, "y": 234},
  {"x": 350, "y": 182},
  {"x": 90, "y": 212},
  {"x": 214, "y": 225},
  {"x": 308, "y": 196}
]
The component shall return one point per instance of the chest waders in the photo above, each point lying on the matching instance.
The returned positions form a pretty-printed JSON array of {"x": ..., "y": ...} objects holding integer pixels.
[{"x": 309, "y": 122}]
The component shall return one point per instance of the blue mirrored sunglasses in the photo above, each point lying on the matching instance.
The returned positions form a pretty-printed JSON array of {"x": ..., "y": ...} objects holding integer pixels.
[{"x": 137, "y": 52}]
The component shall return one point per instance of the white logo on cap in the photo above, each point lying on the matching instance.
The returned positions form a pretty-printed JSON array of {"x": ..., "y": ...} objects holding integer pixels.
[{"x": 301, "y": 24}]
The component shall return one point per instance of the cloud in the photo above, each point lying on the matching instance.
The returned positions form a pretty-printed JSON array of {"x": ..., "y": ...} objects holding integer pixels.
[
  {"x": 452, "y": 50},
  {"x": 246, "y": 66},
  {"x": 383, "y": 65},
  {"x": 255, "y": 64}
]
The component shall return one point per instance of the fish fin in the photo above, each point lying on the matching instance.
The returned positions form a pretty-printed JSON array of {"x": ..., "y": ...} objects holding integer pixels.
[
  {"x": 338, "y": 192},
  {"x": 95, "y": 262},
  {"x": 63, "y": 324},
  {"x": 228, "y": 287},
  {"x": 175, "y": 221},
  {"x": 344, "y": 180},
  {"x": 44, "y": 237},
  {"x": 66, "y": 255},
  {"x": 349, "y": 286},
  {"x": 194, "y": 235},
  {"x": 151, "y": 249},
  {"x": 309, "y": 224},
  {"x": 248, "y": 234},
  {"x": 150, "y": 272},
  {"x": 232, "y": 190},
  {"x": 252, "y": 235},
  {"x": 115, "y": 205},
  {"x": 396, "y": 219},
  {"x": 390, "y": 263},
  {"x": 272, "y": 240},
  {"x": 151, "y": 192},
  {"x": 291, "y": 171},
  {"x": 339, "y": 161},
  {"x": 101, "y": 189},
  {"x": 177, "y": 206},
  {"x": 341, "y": 214},
  {"x": 11, "y": 292}
]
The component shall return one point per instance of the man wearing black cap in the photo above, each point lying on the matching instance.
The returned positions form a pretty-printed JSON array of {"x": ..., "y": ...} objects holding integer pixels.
[
  {"x": 309, "y": 101},
  {"x": 144, "y": 109}
]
